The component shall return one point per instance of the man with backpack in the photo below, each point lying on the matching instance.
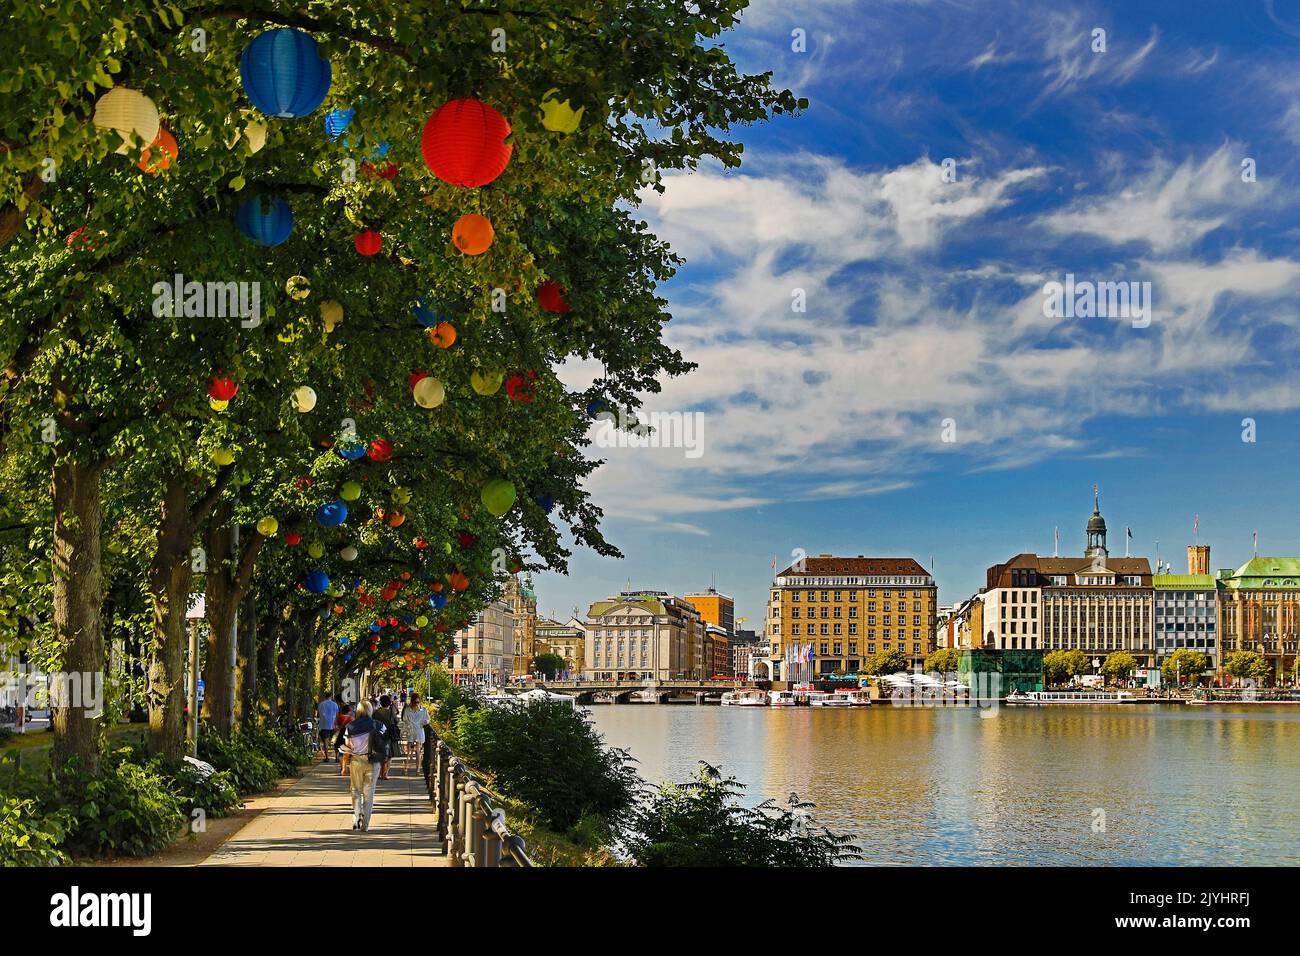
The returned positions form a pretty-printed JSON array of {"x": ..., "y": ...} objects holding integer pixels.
[{"x": 366, "y": 745}]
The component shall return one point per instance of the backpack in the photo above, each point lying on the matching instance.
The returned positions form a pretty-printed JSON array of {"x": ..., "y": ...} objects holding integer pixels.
[{"x": 378, "y": 744}]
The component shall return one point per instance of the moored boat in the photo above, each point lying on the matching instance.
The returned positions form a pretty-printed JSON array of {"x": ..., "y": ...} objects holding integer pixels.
[
  {"x": 1036, "y": 698},
  {"x": 745, "y": 697},
  {"x": 782, "y": 698}
]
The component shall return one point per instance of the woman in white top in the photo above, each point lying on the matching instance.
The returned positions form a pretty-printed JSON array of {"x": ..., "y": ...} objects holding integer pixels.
[{"x": 415, "y": 716}]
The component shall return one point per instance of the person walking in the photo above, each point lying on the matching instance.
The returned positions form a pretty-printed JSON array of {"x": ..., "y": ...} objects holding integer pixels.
[
  {"x": 415, "y": 718},
  {"x": 341, "y": 722},
  {"x": 361, "y": 768},
  {"x": 385, "y": 716},
  {"x": 327, "y": 712}
]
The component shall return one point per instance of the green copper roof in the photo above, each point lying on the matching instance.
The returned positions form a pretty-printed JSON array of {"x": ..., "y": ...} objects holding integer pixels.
[
  {"x": 1255, "y": 572},
  {"x": 1185, "y": 582},
  {"x": 653, "y": 605}
]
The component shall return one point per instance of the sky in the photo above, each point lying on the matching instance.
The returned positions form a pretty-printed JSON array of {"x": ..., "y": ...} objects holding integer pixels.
[{"x": 924, "y": 403}]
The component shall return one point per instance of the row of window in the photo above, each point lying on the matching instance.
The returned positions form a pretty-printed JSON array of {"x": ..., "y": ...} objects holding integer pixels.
[
  {"x": 839, "y": 595},
  {"x": 796, "y": 631}
]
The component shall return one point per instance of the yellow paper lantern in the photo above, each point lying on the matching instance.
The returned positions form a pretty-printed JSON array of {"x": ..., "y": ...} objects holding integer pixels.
[
  {"x": 256, "y": 134},
  {"x": 558, "y": 116},
  {"x": 429, "y": 392},
  {"x": 267, "y": 527},
  {"x": 298, "y": 287},
  {"x": 350, "y": 491},
  {"x": 304, "y": 398},
  {"x": 129, "y": 113},
  {"x": 331, "y": 313},
  {"x": 219, "y": 404},
  {"x": 401, "y": 496},
  {"x": 223, "y": 457},
  {"x": 486, "y": 383},
  {"x": 316, "y": 549}
]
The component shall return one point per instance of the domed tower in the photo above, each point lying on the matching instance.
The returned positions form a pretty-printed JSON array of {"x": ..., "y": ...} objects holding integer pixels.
[{"x": 1096, "y": 530}]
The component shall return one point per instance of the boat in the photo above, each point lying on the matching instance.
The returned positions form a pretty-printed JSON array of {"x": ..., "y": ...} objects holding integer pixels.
[
  {"x": 1035, "y": 698},
  {"x": 745, "y": 697},
  {"x": 835, "y": 698},
  {"x": 813, "y": 698},
  {"x": 782, "y": 698},
  {"x": 858, "y": 698}
]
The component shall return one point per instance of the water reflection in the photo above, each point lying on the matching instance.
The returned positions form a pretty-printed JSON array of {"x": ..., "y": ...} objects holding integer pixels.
[{"x": 1130, "y": 785}]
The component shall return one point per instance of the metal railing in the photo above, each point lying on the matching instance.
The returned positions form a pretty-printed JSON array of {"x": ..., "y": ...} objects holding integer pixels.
[{"x": 472, "y": 830}]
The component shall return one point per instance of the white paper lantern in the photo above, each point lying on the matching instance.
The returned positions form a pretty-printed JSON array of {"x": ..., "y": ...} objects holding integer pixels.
[
  {"x": 128, "y": 112},
  {"x": 429, "y": 392},
  {"x": 256, "y": 133},
  {"x": 331, "y": 313},
  {"x": 348, "y": 554},
  {"x": 304, "y": 398}
]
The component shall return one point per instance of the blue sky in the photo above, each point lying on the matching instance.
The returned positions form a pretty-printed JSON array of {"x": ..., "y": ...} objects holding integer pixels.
[{"x": 823, "y": 429}]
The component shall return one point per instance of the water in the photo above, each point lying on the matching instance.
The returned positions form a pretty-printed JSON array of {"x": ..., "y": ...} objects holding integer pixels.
[{"x": 1178, "y": 785}]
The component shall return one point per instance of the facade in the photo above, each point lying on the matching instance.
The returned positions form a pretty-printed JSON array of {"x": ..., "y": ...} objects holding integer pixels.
[
  {"x": 567, "y": 640},
  {"x": 718, "y": 651},
  {"x": 743, "y": 647},
  {"x": 645, "y": 634},
  {"x": 485, "y": 649},
  {"x": 1186, "y": 615},
  {"x": 714, "y": 608},
  {"x": 1094, "y": 603},
  {"x": 1259, "y": 610},
  {"x": 963, "y": 628},
  {"x": 835, "y": 611},
  {"x": 523, "y": 606}
]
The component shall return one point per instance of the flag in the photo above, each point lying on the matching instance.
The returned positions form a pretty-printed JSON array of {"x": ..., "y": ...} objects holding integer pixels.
[
  {"x": 774, "y": 562},
  {"x": 1196, "y": 526},
  {"x": 1256, "y": 546},
  {"x": 1057, "y": 549}
]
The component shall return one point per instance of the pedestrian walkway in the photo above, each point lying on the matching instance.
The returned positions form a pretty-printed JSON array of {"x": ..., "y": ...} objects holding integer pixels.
[{"x": 310, "y": 824}]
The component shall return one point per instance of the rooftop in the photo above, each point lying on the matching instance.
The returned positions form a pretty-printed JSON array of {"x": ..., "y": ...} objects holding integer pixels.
[{"x": 825, "y": 565}]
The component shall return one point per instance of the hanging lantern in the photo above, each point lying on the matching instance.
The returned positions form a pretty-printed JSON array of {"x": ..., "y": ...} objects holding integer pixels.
[
  {"x": 486, "y": 383},
  {"x": 401, "y": 495},
  {"x": 395, "y": 519},
  {"x": 298, "y": 287},
  {"x": 545, "y": 502},
  {"x": 443, "y": 335},
  {"x": 222, "y": 389},
  {"x": 557, "y": 115},
  {"x": 464, "y": 143},
  {"x": 292, "y": 538},
  {"x": 498, "y": 496},
  {"x": 256, "y": 135},
  {"x": 429, "y": 392},
  {"x": 352, "y": 450},
  {"x": 519, "y": 388},
  {"x": 458, "y": 581},
  {"x": 473, "y": 234},
  {"x": 349, "y": 553},
  {"x": 284, "y": 74},
  {"x": 316, "y": 550},
  {"x": 350, "y": 491},
  {"x": 332, "y": 514},
  {"x": 421, "y": 621},
  {"x": 331, "y": 313},
  {"x": 218, "y": 405},
  {"x": 381, "y": 449},
  {"x": 424, "y": 314},
  {"x": 336, "y": 121},
  {"x": 129, "y": 113},
  {"x": 318, "y": 582},
  {"x": 223, "y": 457},
  {"x": 550, "y": 296},
  {"x": 266, "y": 220},
  {"x": 368, "y": 242},
  {"x": 304, "y": 398},
  {"x": 158, "y": 155},
  {"x": 267, "y": 526}
]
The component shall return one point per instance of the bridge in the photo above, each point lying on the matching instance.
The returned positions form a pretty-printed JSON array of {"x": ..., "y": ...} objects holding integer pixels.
[{"x": 657, "y": 691}]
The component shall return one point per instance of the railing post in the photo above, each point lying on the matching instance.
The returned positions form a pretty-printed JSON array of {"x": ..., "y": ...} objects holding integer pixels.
[{"x": 494, "y": 825}]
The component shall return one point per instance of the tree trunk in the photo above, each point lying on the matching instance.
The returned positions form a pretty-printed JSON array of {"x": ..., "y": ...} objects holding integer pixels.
[
  {"x": 169, "y": 580},
  {"x": 78, "y": 600},
  {"x": 246, "y": 676},
  {"x": 220, "y": 603},
  {"x": 267, "y": 680}
]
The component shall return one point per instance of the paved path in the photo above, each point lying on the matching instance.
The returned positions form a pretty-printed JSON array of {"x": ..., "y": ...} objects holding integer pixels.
[{"x": 310, "y": 824}]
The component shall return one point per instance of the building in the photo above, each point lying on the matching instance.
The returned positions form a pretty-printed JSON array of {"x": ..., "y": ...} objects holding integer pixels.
[
  {"x": 837, "y": 610},
  {"x": 1186, "y": 609},
  {"x": 1094, "y": 603},
  {"x": 714, "y": 608},
  {"x": 1259, "y": 610},
  {"x": 523, "y": 606},
  {"x": 485, "y": 649},
  {"x": 645, "y": 634},
  {"x": 744, "y": 645},
  {"x": 567, "y": 640},
  {"x": 963, "y": 628},
  {"x": 718, "y": 651}
]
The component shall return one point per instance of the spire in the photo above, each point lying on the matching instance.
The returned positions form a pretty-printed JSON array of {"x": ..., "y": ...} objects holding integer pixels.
[{"x": 1096, "y": 530}]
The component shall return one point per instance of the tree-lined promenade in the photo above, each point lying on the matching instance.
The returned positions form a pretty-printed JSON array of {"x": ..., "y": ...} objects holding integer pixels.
[{"x": 284, "y": 295}]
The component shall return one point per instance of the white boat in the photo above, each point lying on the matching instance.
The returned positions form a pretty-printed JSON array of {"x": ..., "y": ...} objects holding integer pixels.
[
  {"x": 836, "y": 698},
  {"x": 859, "y": 698},
  {"x": 1035, "y": 698},
  {"x": 747, "y": 697},
  {"x": 814, "y": 698},
  {"x": 782, "y": 698}
]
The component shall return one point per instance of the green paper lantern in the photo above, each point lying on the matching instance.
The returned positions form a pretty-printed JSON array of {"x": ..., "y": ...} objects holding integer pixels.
[
  {"x": 350, "y": 491},
  {"x": 498, "y": 496}
]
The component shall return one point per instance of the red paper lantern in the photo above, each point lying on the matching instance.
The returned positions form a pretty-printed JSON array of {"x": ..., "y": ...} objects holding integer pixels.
[
  {"x": 368, "y": 243},
  {"x": 550, "y": 296},
  {"x": 519, "y": 389},
  {"x": 386, "y": 171},
  {"x": 381, "y": 449},
  {"x": 466, "y": 539},
  {"x": 464, "y": 143},
  {"x": 414, "y": 380},
  {"x": 222, "y": 389},
  {"x": 292, "y": 538}
]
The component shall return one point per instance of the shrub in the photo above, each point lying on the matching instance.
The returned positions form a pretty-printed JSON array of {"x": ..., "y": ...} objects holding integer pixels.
[
  {"x": 454, "y": 699},
  {"x": 6, "y": 734},
  {"x": 31, "y": 836},
  {"x": 250, "y": 771},
  {"x": 548, "y": 755},
  {"x": 215, "y": 794},
  {"x": 288, "y": 756},
  {"x": 702, "y": 823},
  {"x": 127, "y": 808}
]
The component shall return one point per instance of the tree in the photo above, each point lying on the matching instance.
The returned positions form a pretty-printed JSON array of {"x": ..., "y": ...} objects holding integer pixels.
[
  {"x": 943, "y": 661},
  {"x": 1183, "y": 663},
  {"x": 703, "y": 823},
  {"x": 1248, "y": 665},
  {"x": 1119, "y": 666},
  {"x": 1060, "y": 666},
  {"x": 548, "y": 665}
]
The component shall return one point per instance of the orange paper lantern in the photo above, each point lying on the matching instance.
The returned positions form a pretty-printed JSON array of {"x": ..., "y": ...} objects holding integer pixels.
[
  {"x": 158, "y": 155},
  {"x": 473, "y": 234},
  {"x": 443, "y": 335}
]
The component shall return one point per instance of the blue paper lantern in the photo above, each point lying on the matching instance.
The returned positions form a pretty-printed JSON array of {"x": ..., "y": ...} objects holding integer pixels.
[
  {"x": 317, "y": 582},
  {"x": 438, "y": 600},
  {"x": 347, "y": 658},
  {"x": 343, "y": 641},
  {"x": 336, "y": 121},
  {"x": 352, "y": 450},
  {"x": 397, "y": 645},
  {"x": 284, "y": 74},
  {"x": 266, "y": 220},
  {"x": 375, "y": 628},
  {"x": 331, "y": 515},
  {"x": 379, "y": 152},
  {"x": 546, "y": 503}
]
